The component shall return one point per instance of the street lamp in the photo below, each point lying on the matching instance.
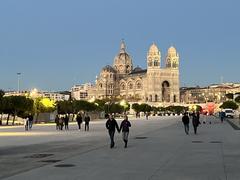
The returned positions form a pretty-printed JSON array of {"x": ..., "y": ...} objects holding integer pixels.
[
  {"x": 18, "y": 75},
  {"x": 34, "y": 93},
  {"x": 123, "y": 103}
]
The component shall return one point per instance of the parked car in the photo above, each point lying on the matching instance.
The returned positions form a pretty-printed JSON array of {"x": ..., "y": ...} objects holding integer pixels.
[{"x": 229, "y": 113}]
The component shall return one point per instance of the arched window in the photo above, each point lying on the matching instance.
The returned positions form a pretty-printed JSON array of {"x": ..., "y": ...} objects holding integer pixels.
[
  {"x": 165, "y": 91},
  {"x": 123, "y": 87},
  {"x": 168, "y": 63},
  {"x": 150, "y": 63},
  {"x": 139, "y": 85},
  {"x": 100, "y": 85},
  {"x": 150, "y": 98},
  {"x": 130, "y": 85},
  {"x": 156, "y": 97},
  {"x": 110, "y": 86}
]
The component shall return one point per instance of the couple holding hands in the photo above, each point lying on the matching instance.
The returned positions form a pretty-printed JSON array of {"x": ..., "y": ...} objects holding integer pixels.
[{"x": 112, "y": 125}]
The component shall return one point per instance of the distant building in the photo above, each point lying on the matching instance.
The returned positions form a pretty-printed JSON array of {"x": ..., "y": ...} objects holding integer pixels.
[
  {"x": 213, "y": 93},
  {"x": 80, "y": 92},
  {"x": 56, "y": 96}
]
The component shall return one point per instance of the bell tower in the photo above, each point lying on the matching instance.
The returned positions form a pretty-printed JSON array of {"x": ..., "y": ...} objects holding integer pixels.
[
  {"x": 172, "y": 59},
  {"x": 153, "y": 57}
]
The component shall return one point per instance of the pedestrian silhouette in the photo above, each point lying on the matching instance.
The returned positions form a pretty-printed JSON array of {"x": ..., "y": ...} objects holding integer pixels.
[
  {"x": 125, "y": 130},
  {"x": 195, "y": 122},
  {"x": 79, "y": 120},
  {"x": 57, "y": 122},
  {"x": 87, "y": 120},
  {"x": 185, "y": 120},
  {"x": 66, "y": 121},
  {"x": 112, "y": 125}
]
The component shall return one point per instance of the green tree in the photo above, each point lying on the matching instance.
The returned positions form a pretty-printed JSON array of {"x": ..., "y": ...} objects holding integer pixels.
[
  {"x": 176, "y": 109},
  {"x": 42, "y": 105},
  {"x": 135, "y": 107},
  {"x": 1, "y": 93},
  {"x": 100, "y": 104},
  {"x": 230, "y": 105},
  {"x": 64, "y": 107},
  {"x": 20, "y": 106},
  {"x": 7, "y": 107},
  {"x": 237, "y": 99},
  {"x": 229, "y": 95},
  {"x": 116, "y": 108},
  {"x": 81, "y": 105},
  {"x": 1, "y": 104},
  {"x": 145, "y": 108},
  {"x": 155, "y": 109}
]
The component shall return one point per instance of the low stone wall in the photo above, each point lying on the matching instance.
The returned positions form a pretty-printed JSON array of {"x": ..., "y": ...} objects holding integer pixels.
[{"x": 235, "y": 123}]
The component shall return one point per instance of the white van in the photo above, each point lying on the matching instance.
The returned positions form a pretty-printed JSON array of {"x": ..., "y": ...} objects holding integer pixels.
[{"x": 229, "y": 113}]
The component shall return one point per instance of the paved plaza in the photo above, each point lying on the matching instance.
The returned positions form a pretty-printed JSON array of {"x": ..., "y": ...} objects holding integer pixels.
[{"x": 158, "y": 149}]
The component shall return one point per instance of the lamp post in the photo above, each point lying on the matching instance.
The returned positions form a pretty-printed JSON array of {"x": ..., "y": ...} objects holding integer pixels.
[
  {"x": 18, "y": 75},
  {"x": 123, "y": 103}
]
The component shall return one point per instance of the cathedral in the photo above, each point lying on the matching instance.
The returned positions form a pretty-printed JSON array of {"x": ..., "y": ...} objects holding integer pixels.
[{"x": 155, "y": 84}]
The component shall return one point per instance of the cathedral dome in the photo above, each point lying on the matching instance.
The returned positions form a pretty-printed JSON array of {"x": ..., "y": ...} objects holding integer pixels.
[
  {"x": 109, "y": 68},
  {"x": 122, "y": 61},
  {"x": 122, "y": 58}
]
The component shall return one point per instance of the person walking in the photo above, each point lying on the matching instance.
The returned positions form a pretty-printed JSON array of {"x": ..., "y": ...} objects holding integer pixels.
[
  {"x": 195, "y": 122},
  {"x": 79, "y": 120},
  {"x": 198, "y": 116},
  {"x": 30, "y": 121},
  {"x": 61, "y": 120},
  {"x": 147, "y": 115},
  {"x": 222, "y": 116},
  {"x": 125, "y": 124},
  {"x": 66, "y": 121},
  {"x": 185, "y": 120},
  {"x": 26, "y": 122},
  {"x": 87, "y": 120},
  {"x": 57, "y": 122},
  {"x": 111, "y": 126}
]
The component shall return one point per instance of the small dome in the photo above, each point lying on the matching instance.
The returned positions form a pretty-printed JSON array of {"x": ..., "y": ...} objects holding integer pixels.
[
  {"x": 137, "y": 69},
  {"x": 172, "y": 50},
  {"x": 109, "y": 68},
  {"x": 153, "y": 48}
]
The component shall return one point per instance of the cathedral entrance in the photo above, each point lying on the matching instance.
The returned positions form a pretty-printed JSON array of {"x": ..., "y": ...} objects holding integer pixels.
[{"x": 165, "y": 91}]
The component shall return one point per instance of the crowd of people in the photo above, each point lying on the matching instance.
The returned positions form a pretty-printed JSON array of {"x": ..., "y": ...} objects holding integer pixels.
[
  {"x": 195, "y": 117},
  {"x": 63, "y": 121}
]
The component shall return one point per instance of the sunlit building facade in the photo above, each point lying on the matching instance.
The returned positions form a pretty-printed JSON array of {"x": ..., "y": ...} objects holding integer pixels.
[
  {"x": 214, "y": 93},
  {"x": 154, "y": 84}
]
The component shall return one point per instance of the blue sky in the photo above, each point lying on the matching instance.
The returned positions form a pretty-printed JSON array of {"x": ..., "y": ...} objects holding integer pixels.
[{"x": 58, "y": 43}]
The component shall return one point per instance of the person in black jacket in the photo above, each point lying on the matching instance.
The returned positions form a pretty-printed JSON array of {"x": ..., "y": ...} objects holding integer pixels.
[
  {"x": 195, "y": 122},
  {"x": 66, "y": 121},
  {"x": 87, "y": 120},
  {"x": 112, "y": 125},
  {"x": 185, "y": 120},
  {"x": 79, "y": 120},
  {"x": 125, "y": 130}
]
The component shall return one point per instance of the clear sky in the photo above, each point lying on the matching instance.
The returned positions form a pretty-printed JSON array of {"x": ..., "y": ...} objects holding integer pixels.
[{"x": 58, "y": 43}]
